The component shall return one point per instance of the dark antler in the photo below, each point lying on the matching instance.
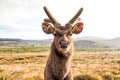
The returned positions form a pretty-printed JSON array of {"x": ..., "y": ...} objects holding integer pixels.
[
  {"x": 48, "y": 20},
  {"x": 76, "y": 16},
  {"x": 50, "y": 16}
]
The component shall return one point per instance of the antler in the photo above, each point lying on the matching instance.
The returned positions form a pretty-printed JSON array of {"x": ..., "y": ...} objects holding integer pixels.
[
  {"x": 76, "y": 16},
  {"x": 50, "y": 16},
  {"x": 48, "y": 20}
]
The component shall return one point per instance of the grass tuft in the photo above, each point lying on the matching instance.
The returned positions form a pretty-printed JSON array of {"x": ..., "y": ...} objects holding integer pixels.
[{"x": 87, "y": 77}]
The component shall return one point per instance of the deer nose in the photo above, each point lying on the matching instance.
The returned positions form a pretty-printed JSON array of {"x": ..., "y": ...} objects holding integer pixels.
[{"x": 64, "y": 44}]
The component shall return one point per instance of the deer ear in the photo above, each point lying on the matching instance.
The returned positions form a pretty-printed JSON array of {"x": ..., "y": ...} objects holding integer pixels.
[
  {"x": 47, "y": 28},
  {"x": 77, "y": 28}
]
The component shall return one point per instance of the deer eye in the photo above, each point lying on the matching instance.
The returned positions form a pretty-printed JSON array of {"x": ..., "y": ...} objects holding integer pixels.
[{"x": 55, "y": 33}]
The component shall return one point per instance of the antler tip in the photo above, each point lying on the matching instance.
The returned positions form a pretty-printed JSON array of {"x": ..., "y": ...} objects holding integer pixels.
[
  {"x": 81, "y": 8},
  {"x": 76, "y": 16},
  {"x": 49, "y": 15},
  {"x": 44, "y": 7}
]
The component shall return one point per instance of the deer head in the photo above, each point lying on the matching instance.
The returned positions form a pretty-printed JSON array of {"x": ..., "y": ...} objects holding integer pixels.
[{"x": 62, "y": 34}]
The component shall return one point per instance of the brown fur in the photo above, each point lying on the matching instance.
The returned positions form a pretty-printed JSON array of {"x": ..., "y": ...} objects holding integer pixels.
[{"x": 58, "y": 64}]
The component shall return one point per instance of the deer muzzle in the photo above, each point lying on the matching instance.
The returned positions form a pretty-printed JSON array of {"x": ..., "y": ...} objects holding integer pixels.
[{"x": 63, "y": 44}]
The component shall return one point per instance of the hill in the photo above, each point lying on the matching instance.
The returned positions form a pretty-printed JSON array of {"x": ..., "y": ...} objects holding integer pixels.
[
  {"x": 95, "y": 42},
  {"x": 82, "y": 42}
]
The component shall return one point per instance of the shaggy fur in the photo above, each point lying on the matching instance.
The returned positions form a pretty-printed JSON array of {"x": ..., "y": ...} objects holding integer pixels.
[{"x": 58, "y": 64}]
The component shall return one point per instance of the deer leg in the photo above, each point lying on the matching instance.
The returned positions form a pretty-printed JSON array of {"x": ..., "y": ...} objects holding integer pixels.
[{"x": 69, "y": 76}]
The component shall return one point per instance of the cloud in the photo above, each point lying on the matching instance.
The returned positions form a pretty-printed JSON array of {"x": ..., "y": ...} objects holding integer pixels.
[
  {"x": 20, "y": 4},
  {"x": 20, "y": 18},
  {"x": 20, "y": 9},
  {"x": 23, "y": 18}
]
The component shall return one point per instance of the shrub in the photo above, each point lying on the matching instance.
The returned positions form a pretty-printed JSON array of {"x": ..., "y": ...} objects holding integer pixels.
[
  {"x": 116, "y": 77},
  {"x": 87, "y": 77},
  {"x": 107, "y": 77}
]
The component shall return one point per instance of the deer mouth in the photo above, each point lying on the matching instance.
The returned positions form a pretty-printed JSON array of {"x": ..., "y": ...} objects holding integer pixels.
[
  {"x": 64, "y": 50},
  {"x": 63, "y": 46}
]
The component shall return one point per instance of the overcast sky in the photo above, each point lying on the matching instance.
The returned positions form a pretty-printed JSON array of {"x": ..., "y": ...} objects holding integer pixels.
[{"x": 23, "y": 18}]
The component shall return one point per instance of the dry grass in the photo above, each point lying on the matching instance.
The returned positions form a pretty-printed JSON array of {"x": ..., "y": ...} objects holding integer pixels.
[
  {"x": 21, "y": 72},
  {"x": 85, "y": 66}
]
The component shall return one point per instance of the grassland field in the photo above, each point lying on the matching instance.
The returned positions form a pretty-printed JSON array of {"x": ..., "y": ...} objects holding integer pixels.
[{"x": 85, "y": 65}]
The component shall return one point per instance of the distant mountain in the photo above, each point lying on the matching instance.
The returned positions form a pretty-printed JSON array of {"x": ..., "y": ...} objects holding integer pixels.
[
  {"x": 10, "y": 39},
  {"x": 89, "y": 38},
  {"x": 82, "y": 42},
  {"x": 11, "y": 42},
  {"x": 96, "y": 42},
  {"x": 116, "y": 39}
]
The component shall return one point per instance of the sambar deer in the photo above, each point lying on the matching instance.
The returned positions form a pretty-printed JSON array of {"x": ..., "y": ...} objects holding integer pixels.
[{"x": 58, "y": 63}]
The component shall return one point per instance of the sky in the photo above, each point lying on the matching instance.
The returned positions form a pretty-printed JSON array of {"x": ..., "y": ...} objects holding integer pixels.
[{"x": 23, "y": 18}]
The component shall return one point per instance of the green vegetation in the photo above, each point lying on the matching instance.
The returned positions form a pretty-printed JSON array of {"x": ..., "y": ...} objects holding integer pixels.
[
  {"x": 90, "y": 49},
  {"x": 32, "y": 48},
  {"x": 24, "y": 49}
]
